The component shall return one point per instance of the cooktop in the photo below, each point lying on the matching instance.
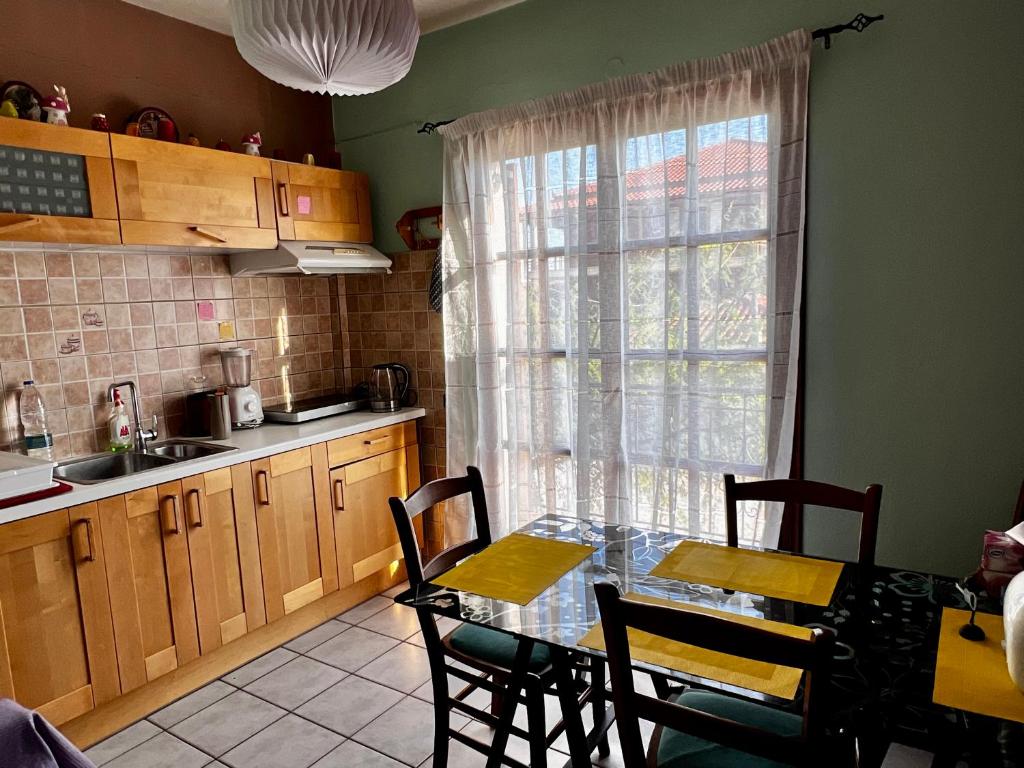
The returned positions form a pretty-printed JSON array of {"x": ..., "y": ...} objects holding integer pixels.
[{"x": 315, "y": 407}]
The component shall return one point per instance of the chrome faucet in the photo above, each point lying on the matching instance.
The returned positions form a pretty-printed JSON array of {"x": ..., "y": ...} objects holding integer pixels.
[{"x": 142, "y": 436}]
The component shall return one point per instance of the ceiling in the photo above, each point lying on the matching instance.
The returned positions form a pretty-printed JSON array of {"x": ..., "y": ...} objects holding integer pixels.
[{"x": 433, "y": 14}]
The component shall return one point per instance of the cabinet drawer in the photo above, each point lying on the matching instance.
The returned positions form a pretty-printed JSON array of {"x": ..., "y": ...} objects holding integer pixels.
[
  {"x": 345, "y": 450},
  {"x": 196, "y": 235}
]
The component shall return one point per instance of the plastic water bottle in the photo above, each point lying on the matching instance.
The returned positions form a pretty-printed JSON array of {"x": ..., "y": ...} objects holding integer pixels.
[{"x": 38, "y": 438}]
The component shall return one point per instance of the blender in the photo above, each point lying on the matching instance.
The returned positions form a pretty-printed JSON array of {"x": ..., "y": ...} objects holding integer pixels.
[{"x": 243, "y": 400}]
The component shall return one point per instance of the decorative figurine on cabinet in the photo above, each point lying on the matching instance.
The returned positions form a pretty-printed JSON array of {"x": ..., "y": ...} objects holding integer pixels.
[
  {"x": 193, "y": 140},
  {"x": 57, "y": 107},
  {"x": 99, "y": 122},
  {"x": 251, "y": 144},
  {"x": 222, "y": 145},
  {"x": 8, "y": 109},
  {"x": 308, "y": 159},
  {"x": 166, "y": 130}
]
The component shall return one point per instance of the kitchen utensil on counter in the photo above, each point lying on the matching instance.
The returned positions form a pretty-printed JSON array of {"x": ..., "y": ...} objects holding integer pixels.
[
  {"x": 219, "y": 408},
  {"x": 316, "y": 407},
  {"x": 197, "y": 407},
  {"x": 245, "y": 404},
  {"x": 389, "y": 383},
  {"x": 20, "y": 474}
]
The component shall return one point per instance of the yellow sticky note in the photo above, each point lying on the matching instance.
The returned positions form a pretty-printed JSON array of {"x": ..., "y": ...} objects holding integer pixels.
[{"x": 227, "y": 331}]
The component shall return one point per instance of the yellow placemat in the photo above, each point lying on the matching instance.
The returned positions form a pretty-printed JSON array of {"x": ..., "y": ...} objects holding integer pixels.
[
  {"x": 773, "y": 574},
  {"x": 516, "y": 568},
  {"x": 972, "y": 675},
  {"x": 753, "y": 675}
]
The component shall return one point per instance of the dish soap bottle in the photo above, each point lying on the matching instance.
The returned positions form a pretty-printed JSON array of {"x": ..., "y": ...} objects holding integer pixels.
[{"x": 120, "y": 427}]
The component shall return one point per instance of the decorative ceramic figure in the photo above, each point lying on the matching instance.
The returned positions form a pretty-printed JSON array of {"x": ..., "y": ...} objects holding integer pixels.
[
  {"x": 251, "y": 144},
  {"x": 131, "y": 129},
  {"x": 56, "y": 107},
  {"x": 99, "y": 122},
  {"x": 1013, "y": 628},
  {"x": 192, "y": 140},
  {"x": 308, "y": 159},
  {"x": 223, "y": 145},
  {"x": 8, "y": 109}
]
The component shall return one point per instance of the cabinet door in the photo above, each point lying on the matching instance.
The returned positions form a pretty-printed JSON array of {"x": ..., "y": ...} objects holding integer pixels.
[
  {"x": 296, "y": 532},
  {"x": 174, "y": 194},
  {"x": 322, "y": 203},
  {"x": 224, "y": 553},
  {"x": 150, "y": 582},
  {"x": 364, "y": 528},
  {"x": 56, "y": 185},
  {"x": 56, "y": 642}
]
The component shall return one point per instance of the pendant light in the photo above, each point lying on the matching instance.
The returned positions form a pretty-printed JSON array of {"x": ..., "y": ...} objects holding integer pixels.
[{"x": 340, "y": 47}]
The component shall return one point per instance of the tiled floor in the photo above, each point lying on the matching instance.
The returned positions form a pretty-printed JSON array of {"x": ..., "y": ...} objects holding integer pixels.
[{"x": 351, "y": 693}]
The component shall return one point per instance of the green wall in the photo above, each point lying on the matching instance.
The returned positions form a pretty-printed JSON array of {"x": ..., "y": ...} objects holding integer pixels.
[{"x": 915, "y": 273}]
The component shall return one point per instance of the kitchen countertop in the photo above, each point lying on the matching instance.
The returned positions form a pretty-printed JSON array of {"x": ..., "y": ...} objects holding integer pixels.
[{"x": 251, "y": 444}]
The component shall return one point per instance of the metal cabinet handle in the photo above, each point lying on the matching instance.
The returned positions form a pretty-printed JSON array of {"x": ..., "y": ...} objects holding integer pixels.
[
  {"x": 282, "y": 199},
  {"x": 215, "y": 236},
  {"x": 378, "y": 440},
  {"x": 263, "y": 490},
  {"x": 28, "y": 221},
  {"x": 339, "y": 495},
  {"x": 174, "y": 510},
  {"x": 90, "y": 556},
  {"x": 197, "y": 508}
]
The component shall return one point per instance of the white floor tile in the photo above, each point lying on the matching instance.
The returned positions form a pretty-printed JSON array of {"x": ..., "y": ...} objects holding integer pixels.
[
  {"x": 121, "y": 742},
  {"x": 291, "y": 741},
  {"x": 353, "y": 755},
  {"x": 295, "y": 683},
  {"x": 365, "y": 610},
  {"x": 405, "y": 732},
  {"x": 317, "y": 635},
  {"x": 396, "y": 621},
  {"x": 162, "y": 751},
  {"x": 349, "y": 705},
  {"x": 189, "y": 705},
  {"x": 404, "y": 667},
  {"x": 353, "y": 648},
  {"x": 257, "y": 668},
  {"x": 227, "y": 723}
]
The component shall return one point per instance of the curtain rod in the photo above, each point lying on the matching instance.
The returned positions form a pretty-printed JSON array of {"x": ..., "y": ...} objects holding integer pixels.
[{"x": 858, "y": 23}]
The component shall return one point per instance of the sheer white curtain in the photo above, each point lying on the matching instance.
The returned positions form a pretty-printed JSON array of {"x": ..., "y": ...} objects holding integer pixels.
[{"x": 622, "y": 288}]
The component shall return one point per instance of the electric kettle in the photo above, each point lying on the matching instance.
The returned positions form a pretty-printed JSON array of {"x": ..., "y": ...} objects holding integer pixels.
[{"x": 389, "y": 383}]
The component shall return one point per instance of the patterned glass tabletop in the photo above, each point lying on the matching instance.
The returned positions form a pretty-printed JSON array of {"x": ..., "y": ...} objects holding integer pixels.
[{"x": 886, "y": 622}]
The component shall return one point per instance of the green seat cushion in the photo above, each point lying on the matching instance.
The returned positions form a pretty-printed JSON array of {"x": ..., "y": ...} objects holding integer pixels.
[
  {"x": 678, "y": 749},
  {"x": 494, "y": 647}
]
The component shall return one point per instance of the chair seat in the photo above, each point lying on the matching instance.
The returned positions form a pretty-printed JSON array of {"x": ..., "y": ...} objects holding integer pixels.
[
  {"x": 678, "y": 749},
  {"x": 494, "y": 647}
]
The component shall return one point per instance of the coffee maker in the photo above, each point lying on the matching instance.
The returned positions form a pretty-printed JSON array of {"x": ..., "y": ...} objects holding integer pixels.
[{"x": 243, "y": 401}]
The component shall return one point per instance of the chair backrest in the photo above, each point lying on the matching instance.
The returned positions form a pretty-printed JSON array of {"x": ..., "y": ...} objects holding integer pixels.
[
  {"x": 796, "y": 493},
  {"x": 718, "y": 634},
  {"x": 425, "y": 498}
]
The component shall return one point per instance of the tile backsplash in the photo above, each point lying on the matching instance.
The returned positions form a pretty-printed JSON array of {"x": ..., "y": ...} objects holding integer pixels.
[{"x": 76, "y": 322}]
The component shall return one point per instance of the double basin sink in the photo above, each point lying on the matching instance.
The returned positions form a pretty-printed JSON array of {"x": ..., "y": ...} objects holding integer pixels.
[{"x": 110, "y": 466}]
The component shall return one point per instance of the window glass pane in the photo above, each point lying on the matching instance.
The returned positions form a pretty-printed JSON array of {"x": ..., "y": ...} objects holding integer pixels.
[
  {"x": 654, "y": 186},
  {"x": 734, "y": 296},
  {"x": 731, "y": 414},
  {"x": 655, "y": 281},
  {"x": 732, "y": 178}
]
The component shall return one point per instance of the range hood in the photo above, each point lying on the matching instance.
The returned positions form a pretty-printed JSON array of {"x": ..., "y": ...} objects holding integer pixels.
[{"x": 308, "y": 257}]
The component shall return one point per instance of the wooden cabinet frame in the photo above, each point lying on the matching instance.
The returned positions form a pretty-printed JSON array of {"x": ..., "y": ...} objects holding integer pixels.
[
  {"x": 102, "y": 227},
  {"x": 321, "y": 203}
]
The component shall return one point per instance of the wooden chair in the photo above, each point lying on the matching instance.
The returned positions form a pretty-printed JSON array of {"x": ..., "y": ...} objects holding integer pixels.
[
  {"x": 706, "y": 728},
  {"x": 492, "y": 653},
  {"x": 796, "y": 493}
]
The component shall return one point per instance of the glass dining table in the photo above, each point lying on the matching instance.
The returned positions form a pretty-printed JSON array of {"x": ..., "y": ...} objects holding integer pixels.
[{"x": 886, "y": 623}]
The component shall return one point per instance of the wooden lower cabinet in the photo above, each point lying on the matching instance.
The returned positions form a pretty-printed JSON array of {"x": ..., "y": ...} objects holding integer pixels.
[
  {"x": 364, "y": 530},
  {"x": 224, "y": 552},
  {"x": 296, "y": 530},
  {"x": 150, "y": 582},
  {"x": 56, "y": 641}
]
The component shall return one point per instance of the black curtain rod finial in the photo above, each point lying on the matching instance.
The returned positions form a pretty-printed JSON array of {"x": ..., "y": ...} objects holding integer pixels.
[
  {"x": 858, "y": 23},
  {"x": 431, "y": 127}
]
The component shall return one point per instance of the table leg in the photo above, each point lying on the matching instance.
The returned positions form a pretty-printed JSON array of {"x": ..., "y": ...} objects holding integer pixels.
[
  {"x": 516, "y": 682},
  {"x": 575, "y": 733}
]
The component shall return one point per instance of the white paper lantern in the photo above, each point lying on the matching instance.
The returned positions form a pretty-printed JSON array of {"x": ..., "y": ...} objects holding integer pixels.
[{"x": 341, "y": 47}]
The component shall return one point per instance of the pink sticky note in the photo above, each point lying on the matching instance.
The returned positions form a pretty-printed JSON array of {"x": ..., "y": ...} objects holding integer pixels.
[
  {"x": 305, "y": 203},
  {"x": 205, "y": 309}
]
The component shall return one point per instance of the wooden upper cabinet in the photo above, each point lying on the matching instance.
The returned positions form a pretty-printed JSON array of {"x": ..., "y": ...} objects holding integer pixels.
[
  {"x": 150, "y": 582},
  {"x": 365, "y": 533},
  {"x": 56, "y": 185},
  {"x": 56, "y": 641},
  {"x": 174, "y": 194},
  {"x": 296, "y": 532},
  {"x": 224, "y": 552},
  {"x": 321, "y": 203}
]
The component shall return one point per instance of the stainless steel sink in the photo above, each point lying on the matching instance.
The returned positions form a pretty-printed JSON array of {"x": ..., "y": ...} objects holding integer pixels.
[
  {"x": 109, "y": 466},
  {"x": 185, "y": 450}
]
